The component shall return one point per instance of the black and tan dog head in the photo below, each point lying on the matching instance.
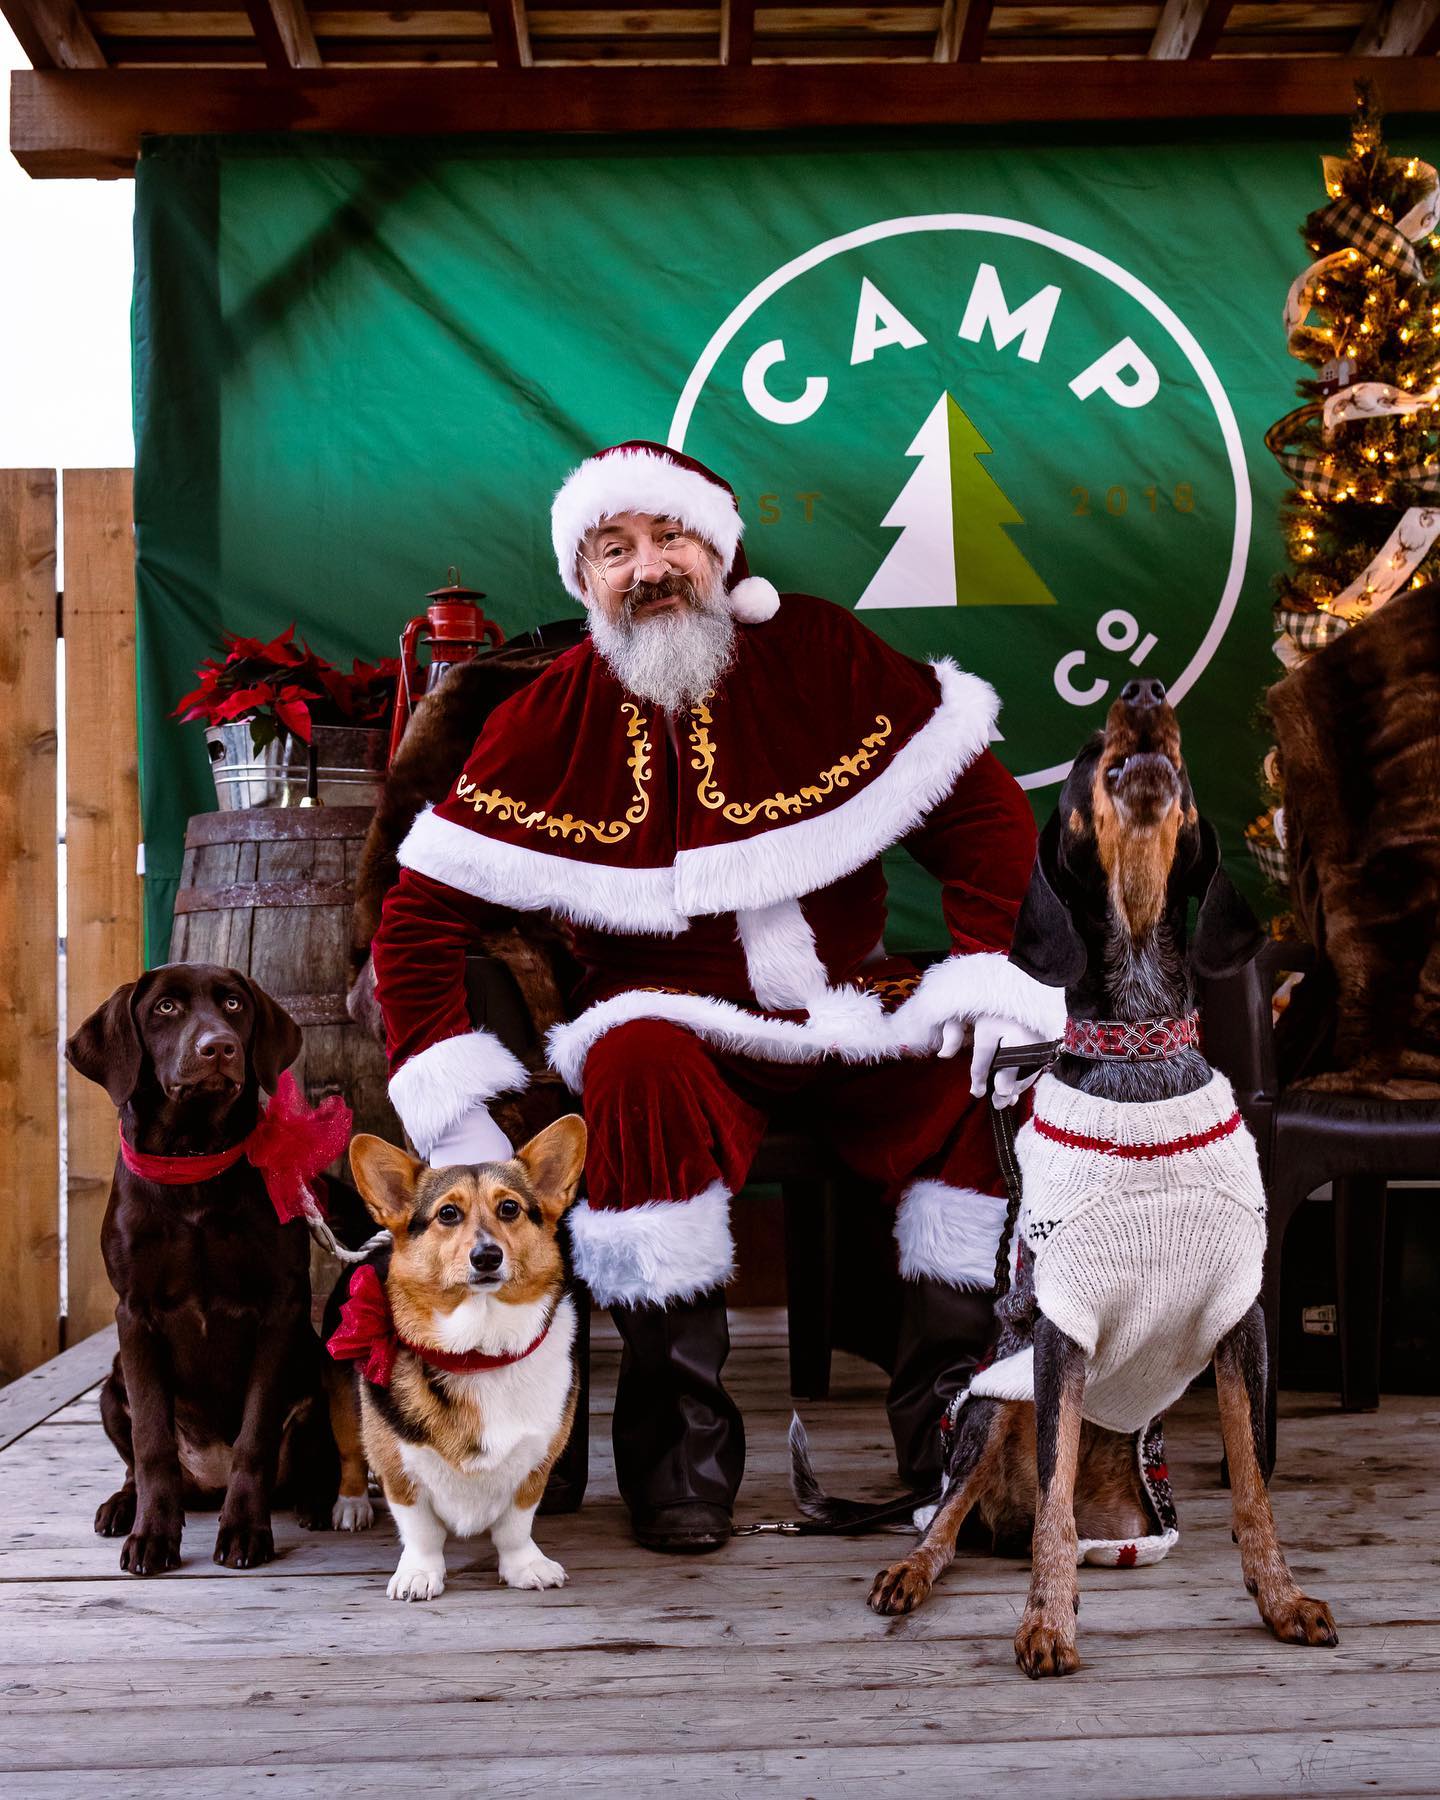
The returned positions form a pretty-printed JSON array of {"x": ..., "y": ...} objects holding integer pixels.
[
  {"x": 491, "y": 1228},
  {"x": 1127, "y": 850},
  {"x": 186, "y": 1033}
]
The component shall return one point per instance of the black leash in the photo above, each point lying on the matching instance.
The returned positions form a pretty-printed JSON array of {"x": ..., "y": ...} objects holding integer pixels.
[{"x": 1038, "y": 1057}]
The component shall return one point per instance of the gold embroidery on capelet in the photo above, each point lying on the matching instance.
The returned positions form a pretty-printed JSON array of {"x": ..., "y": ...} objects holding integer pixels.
[{"x": 566, "y": 825}]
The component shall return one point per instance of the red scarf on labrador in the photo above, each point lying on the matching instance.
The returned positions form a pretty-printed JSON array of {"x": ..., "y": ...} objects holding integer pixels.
[
  {"x": 290, "y": 1146},
  {"x": 367, "y": 1336}
]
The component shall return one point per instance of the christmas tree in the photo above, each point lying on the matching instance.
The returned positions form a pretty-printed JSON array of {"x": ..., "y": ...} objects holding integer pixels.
[
  {"x": 953, "y": 549},
  {"x": 1363, "y": 517}
]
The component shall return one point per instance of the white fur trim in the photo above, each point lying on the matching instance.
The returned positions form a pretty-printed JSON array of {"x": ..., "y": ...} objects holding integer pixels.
[
  {"x": 786, "y": 861},
  {"x": 812, "y": 853},
  {"x": 949, "y": 1234},
  {"x": 640, "y": 901},
  {"x": 754, "y": 600},
  {"x": 785, "y": 970},
  {"x": 638, "y": 481},
  {"x": 438, "y": 1086},
  {"x": 661, "y": 1250},
  {"x": 861, "y": 1034},
  {"x": 1012, "y": 1378},
  {"x": 981, "y": 984}
]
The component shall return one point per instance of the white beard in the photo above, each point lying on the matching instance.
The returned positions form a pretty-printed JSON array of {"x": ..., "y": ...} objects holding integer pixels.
[{"x": 672, "y": 659}]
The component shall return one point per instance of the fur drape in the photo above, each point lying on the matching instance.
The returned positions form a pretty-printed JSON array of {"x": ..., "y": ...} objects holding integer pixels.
[
  {"x": 1358, "y": 727},
  {"x": 530, "y": 946}
]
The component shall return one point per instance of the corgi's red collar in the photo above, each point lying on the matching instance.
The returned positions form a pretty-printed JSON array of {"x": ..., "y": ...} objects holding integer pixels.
[{"x": 367, "y": 1335}]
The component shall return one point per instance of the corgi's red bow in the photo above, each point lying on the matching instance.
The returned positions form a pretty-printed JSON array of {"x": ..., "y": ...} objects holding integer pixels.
[{"x": 367, "y": 1336}]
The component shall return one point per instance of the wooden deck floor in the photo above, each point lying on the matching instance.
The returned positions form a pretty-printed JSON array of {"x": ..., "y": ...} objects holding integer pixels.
[{"x": 757, "y": 1668}]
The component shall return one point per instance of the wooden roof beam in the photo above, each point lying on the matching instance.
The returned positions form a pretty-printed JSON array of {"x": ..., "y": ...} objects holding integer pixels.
[
  {"x": 737, "y": 33},
  {"x": 510, "y": 34},
  {"x": 87, "y": 122},
  {"x": 53, "y": 34},
  {"x": 282, "y": 28},
  {"x": 964, "y": 26},
  {"x": 1188, "y": 30},
  {"x": 1400, "y": 28}
]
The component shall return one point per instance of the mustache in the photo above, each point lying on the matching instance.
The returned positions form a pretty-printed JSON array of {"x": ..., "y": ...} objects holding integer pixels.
[{"x": 672, "y": 587}]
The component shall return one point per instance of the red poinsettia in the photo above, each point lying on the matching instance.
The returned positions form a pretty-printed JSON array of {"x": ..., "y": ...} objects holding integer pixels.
[{"x": 285, "y": 686}]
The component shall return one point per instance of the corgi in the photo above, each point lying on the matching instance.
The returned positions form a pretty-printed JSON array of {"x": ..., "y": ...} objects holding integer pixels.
[{"x": 464, "y": 1334}]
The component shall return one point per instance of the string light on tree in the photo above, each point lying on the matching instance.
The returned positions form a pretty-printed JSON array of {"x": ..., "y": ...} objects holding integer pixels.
[{"x": 1362, "y": 520}]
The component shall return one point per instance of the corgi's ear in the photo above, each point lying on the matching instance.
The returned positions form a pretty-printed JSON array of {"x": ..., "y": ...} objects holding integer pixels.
[
  {"x": 554, "y": 1161},
  {"x": 386, "y": 1179}
]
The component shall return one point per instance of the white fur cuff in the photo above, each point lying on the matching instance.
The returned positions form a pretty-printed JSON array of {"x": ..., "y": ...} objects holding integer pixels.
[
  {"x": 663, "y": 1250},
  {"x": 438, "y": 1086},
  {"x": 949, "y": 1234},
  {"x": 984, "y": 983}
]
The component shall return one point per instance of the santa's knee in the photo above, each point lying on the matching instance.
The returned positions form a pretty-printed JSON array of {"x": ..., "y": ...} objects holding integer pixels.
[{"x": 643, "y": 1060}]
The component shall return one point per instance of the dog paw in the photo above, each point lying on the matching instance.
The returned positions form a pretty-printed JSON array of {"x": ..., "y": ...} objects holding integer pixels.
[
  {"x": 244, "y": 1546},
  {"x": 1301, "y": 1620},
  {"x": 117, "y": 1514},
  {"x": 900, "y": 1588},
  {"x": 352, "y": 1512},
  {"x": 1045, "y": 1648},
  {"x": 150, "y": 1552},
  {"x": 416, "y": 1581},
  {"x": 535, "y": 1571}
]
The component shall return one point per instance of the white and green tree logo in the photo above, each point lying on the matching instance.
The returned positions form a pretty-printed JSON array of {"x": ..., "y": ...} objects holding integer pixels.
[
  {"x": 954, "y": 547},
  {"x": 996, "y": 443}
]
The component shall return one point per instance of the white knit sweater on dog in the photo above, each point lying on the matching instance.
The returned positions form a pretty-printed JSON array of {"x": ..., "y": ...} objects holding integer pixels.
[{"x": 1146, "y": 1223}]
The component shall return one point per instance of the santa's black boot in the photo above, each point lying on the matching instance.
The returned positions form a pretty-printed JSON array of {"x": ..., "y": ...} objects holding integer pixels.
[
  {"x": 679, "y": 1439},
  {"x": 944, "y": 1332}
]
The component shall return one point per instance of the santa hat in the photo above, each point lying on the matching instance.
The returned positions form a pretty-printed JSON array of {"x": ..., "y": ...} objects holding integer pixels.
[{"x": 652, "y": 478}]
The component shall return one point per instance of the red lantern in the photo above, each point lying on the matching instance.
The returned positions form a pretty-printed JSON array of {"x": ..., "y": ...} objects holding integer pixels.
[{"x": 457, "y": 631}]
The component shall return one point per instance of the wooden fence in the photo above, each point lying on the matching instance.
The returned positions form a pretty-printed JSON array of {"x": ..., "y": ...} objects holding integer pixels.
[{"x": 102, "y": 924}]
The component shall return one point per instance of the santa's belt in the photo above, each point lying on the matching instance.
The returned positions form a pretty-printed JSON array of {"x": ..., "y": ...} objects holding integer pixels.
[{"x": 1142, "y": 1040}]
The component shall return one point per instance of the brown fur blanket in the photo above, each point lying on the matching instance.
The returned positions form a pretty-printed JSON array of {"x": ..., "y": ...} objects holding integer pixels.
[
  {"x": 1358, "y": 726},
  {"x": 532, "y": 952}
]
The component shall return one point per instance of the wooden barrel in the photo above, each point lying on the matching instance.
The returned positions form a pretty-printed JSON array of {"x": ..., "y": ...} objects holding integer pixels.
[{"x": 270, "y": 892}]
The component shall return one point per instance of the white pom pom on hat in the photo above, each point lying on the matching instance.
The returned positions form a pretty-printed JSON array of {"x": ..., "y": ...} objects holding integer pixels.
[{"x": 652, "y": 478}]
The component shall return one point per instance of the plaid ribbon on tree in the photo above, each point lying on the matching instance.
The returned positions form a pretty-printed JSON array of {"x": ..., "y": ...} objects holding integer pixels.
[
  {"x": 1371, "y": 235},
  {"x": 1310, "y": 630},
  {"x": 1310, "y": 475}
]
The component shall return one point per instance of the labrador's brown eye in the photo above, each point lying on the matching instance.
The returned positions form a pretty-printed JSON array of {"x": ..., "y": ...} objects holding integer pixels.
[
  {"x": 166, "y": 1006},
  {"x": 508, "y": 1209},
  {"x": 233, "y": 1003},
  {"x": 449, "y": 1215}
]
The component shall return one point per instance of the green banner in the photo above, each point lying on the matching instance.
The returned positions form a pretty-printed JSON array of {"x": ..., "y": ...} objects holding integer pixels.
[{"x": 1005, "y": 398}]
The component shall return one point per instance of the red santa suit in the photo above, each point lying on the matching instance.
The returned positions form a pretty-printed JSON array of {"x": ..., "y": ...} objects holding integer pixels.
[{"x": 721, "y": 875}]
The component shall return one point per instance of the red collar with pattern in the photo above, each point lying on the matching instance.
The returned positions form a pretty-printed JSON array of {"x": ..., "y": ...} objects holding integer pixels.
[
  {"x": 367, "y": 1336},
  {"x": 1144, "y": 1040}
]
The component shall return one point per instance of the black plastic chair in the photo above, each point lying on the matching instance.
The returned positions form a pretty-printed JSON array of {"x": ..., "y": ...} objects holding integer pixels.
[{"x": 1356, "y": 1143}]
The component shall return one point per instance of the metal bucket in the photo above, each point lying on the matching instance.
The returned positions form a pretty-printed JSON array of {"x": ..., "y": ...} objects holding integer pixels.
[{"x": 350, "y": 766}]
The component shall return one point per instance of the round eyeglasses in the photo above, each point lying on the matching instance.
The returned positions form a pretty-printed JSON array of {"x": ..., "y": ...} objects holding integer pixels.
[{"x": 621, "y": 571}]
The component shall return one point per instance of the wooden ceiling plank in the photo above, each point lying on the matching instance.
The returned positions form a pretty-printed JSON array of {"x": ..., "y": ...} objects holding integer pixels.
[
  {"x": 282, "y": 29},
  {"x": 737, "y": 33},
  {"x": 53, "y": 34},
  {"x": 1188, "y": 30},
  {"x": 1399, "y": 28},
  {"x": 510, "y": 34},
  {"x": 964, "y": 25},
  {"x": 90, "y": 122}
]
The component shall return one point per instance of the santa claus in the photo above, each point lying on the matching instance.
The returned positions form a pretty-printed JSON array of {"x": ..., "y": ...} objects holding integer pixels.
[{"x": 701, "y": 793}]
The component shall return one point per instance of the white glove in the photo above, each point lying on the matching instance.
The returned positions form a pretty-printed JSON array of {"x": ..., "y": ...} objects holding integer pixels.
[
  {"x": 990, "y": 1033},
  {"x": 473, "y": 1138}
]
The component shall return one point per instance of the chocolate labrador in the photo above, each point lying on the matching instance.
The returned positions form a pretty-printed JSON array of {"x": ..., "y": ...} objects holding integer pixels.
[{"x": 219, "y": 1390}]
